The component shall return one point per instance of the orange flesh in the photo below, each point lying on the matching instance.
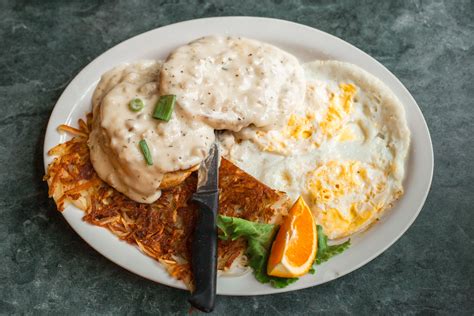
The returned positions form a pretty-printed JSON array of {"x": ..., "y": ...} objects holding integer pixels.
[
  {"x": 300, "y": 245},
  {"x": 295, "y": 240}
]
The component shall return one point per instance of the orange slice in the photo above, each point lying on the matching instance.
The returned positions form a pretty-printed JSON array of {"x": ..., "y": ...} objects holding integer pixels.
[{"x": 294, "y": 248}]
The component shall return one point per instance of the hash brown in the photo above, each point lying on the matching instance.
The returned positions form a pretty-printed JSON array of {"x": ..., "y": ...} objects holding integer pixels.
[{"x": 163, "y": 230}]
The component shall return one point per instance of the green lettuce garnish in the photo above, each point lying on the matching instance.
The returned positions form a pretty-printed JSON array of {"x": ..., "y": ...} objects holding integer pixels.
[
  {"x": 326, "y": 252},
  {"x": 259, "y": 242},
  {"x": 260, "y": 237}
]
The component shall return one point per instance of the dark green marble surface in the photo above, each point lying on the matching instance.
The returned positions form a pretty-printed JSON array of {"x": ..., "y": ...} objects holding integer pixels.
[{"x": 45, "y": 268}]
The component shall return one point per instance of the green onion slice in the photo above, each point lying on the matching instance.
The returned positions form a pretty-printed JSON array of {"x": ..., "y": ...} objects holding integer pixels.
[
  {"x": 146, "y": 152},
  {"x": 136, "y": 105},
  {"x": 164, "y": 107}
]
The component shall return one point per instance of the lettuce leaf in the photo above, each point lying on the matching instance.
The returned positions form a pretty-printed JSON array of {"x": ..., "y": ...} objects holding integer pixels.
[
  {"x": 260, "y": 237},
  {"x": 259, "y": 242},
  {"x": 326, "y": 252}
]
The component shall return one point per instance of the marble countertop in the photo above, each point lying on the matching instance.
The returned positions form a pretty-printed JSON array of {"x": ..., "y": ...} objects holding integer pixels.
[{"x": 46, "y": 268}]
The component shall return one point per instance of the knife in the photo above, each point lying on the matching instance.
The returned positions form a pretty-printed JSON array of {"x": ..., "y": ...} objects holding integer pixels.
[{"x": 204, "y": 245}]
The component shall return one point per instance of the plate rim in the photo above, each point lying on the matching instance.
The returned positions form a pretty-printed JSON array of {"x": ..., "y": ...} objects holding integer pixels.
[{"x": 77, "y": 78}]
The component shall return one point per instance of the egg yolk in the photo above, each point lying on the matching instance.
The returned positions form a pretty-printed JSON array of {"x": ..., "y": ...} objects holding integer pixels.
[
  {"x": 307, "y": 127},
  {"x": 299, "y": 127},
  {"x": 339, "y": 109},
  {"x": 344, "y": 195}
]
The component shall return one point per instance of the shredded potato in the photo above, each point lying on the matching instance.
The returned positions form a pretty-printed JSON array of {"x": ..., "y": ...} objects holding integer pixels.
[{"x": 162, "y": 230}]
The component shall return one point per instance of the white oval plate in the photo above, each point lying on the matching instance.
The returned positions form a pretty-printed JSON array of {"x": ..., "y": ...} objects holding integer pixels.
[{"x": 307, "y": 44}]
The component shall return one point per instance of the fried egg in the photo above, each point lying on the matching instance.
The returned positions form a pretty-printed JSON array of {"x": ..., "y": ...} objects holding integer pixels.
[{"x": 344, "y": 151}]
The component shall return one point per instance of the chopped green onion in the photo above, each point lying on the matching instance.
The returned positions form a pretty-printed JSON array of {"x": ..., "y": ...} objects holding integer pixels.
[
  {"x": 146, "y": 152},
  {"x": 164, "y": 107},
  {"x": 136, "y": 105}
]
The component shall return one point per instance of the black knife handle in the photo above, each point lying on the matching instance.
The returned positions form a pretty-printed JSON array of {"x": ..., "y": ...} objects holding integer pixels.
[{"x": 204, "y": 252}]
